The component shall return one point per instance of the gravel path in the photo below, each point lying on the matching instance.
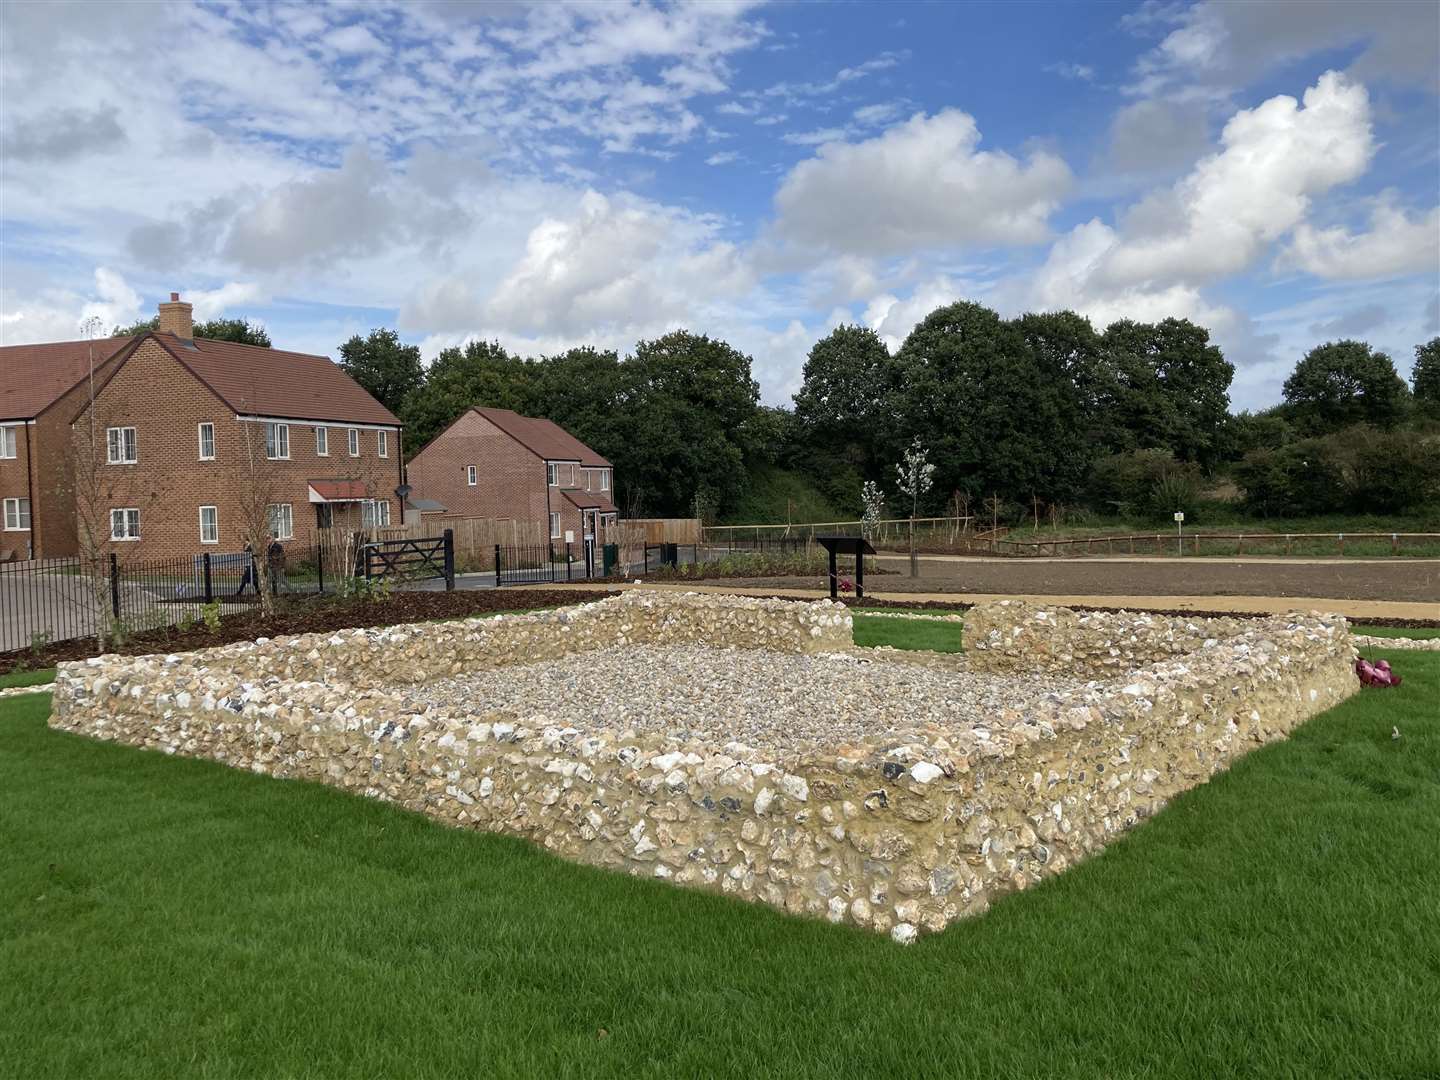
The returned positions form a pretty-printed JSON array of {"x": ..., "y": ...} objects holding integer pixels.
[{"x": 763, "y": 699}]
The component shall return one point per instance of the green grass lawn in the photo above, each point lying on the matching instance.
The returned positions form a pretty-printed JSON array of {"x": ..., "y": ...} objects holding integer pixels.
[
  {"x": 1396, "y": 631},
  {"x": 169, "y": 917},
  {"x": 38, "y": 677},
  {"x": 907, "y": 633}
]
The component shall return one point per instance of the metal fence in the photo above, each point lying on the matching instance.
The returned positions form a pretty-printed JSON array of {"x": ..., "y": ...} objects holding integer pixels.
[{"x": 48, "y": 600}]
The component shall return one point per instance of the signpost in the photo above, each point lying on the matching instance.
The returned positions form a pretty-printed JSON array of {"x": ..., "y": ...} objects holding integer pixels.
[
  {"x": 1180, "y": 532},
  {"x": 847, "y": 545}
]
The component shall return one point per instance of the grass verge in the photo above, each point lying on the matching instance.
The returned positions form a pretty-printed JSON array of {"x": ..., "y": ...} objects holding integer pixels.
[
  {"x": 163, "y": 916},
  {"x": 907, "y": 633},
  {"x": 38, "y": 677}
]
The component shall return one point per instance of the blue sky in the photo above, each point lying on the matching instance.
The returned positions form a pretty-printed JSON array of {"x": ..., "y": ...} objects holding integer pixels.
[{"x": 559, "y": 174}]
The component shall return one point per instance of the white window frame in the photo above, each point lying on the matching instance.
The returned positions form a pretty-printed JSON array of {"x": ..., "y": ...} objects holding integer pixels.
[
  {"x": 370, "y": 513},
  {"x": 276, "y": 520},
  {"x": 215, "y": 524},
  {"x": 9, "y": 441},
  {"x": 12, "y": 512},
  {"x": 352, "y": 440},
  {"x": 277, "y": 438},
  {"x": 552, "y": 474},
  {"x": 322, "y": 441},
  {"x": 472, "y": 475},
  {"x": 554, "y": 524},
  {"x": 129, "y": 515},
  {"x": 382, "y": 443},
  {"x": 116, "y": 442},
  {"x": 200, "y": 440},
  {"x": 604, "y": 479}
]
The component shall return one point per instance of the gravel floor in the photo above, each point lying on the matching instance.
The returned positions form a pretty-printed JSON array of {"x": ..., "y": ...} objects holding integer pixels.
[{"x": 763, "y": 699}]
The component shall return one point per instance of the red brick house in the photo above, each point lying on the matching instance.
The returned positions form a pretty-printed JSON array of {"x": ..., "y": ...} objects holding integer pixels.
[
  {"x": 496, "y": 463},
  {"x": 187, "y": 433}
]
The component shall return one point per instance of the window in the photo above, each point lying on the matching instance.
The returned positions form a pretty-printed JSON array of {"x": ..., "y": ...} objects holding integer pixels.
[
  {"x": 354, "y": 437},
  {"x": 277, "y": 441},
  {"x": 209, "y": 525},
  {"x": 7, "y": 441},
  {"x": 17, "y": 515},
  {"x": 322, "y": 442},
  {"x": 604, "y": 479},
  {"x": 470, "y": 475},
  {"x": 552, "y": 475},
  {"x": 375, "y": 513},
  {"x": 554, "y": 526},
  {"x": 125, "y": 524},
  {"x": 120, "y": 446},
  {"x": 207, "y": 442},
  {"x": 282, "y": 521},
  {"x": 382, "y": 443}
]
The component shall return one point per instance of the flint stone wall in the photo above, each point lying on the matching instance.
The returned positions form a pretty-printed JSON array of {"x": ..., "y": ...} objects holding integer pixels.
[{"x": 894, "y": 836}]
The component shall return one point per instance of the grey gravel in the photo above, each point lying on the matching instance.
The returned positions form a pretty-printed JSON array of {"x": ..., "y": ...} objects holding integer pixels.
[{"x": 761, "y": 698}]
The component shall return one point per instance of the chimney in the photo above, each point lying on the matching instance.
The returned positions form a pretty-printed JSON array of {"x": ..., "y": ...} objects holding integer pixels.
[{"x": 175, "y": 318}]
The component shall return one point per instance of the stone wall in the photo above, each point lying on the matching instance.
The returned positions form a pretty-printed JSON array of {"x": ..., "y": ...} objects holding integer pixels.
[{"x": 898, "y": 836}]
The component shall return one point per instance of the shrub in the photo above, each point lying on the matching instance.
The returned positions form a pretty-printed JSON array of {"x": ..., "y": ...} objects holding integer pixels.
[
  {"x": 1389, "y": 472},
  {"x": 1359, "y": 470},
  {"x": 1292, "y": 481},
  {"x": 1147, "y": 484}
]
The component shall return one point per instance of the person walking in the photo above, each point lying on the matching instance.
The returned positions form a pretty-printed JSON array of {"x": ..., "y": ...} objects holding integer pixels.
[
  {"x": 250, "y": 577},
  {"x": 275, "y": 555}
]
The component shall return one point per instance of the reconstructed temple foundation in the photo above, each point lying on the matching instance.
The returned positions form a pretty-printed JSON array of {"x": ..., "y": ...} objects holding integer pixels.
[{"x": 899, "y": 830}]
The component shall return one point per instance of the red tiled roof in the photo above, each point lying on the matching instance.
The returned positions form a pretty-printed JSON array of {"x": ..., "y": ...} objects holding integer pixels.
[
  {"x": 250, "y": 379},
  {"x": 33, "y": 376},
  {"x": 585, "y": 500},
  {"x": 544, "y": 438},
  {"x": 257, "y": 381},
  {"x": 339, "y": 490}
]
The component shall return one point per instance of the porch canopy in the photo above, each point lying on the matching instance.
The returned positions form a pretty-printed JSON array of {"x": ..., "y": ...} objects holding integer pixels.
[{"x": 337, "y": 491}]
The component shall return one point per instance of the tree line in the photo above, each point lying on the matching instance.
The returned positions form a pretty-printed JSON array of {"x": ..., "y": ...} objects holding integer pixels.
[{"x": 1042, "y": 408}]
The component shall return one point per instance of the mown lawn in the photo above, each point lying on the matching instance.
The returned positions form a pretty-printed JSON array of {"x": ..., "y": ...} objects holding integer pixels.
[
  {"x": 163, "y": 917},
  {"x": 929, "y": 634}
]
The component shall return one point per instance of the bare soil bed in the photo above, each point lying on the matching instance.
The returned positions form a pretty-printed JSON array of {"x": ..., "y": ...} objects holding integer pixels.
[
  {"x": 1411, "y": 580},
  {"x": 302, "y": 616},
  {"x": 758, "y": 698}
]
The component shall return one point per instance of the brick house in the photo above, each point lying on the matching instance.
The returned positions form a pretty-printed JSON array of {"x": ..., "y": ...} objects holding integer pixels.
[
  {"x": 496, "y": 463},
  {"x": 187, "y": 433}
]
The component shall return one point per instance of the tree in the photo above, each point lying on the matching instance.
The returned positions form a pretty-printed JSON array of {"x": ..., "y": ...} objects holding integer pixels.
[
  {"x": 969, "y": 386},
  {"x": 688, "y": 401},
  {"x": 840, "y": 409},
  {"x": 873, "y": 499},
  {"x": 1342, "y": 383},
  {"x": 384, "y": 365},
  {"x": 1425, "y": 376},
  {"x": 916, "y": 477},
  {"x": 1164, "y": 384},
  {"x": 240, "y": 331},
  {"x": 479, "y": 373}
]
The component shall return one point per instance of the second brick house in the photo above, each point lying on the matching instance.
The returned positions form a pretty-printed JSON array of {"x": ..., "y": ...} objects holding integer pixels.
[
  {"x": 189, "y": 436},
  {"x": 495, "y": 463}
]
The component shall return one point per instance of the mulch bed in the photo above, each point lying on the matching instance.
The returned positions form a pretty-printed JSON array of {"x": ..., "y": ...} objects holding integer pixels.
[{"x": 303, "y": 617}]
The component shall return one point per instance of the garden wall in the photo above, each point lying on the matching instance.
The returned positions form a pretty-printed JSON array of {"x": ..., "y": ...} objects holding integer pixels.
[{"x": 895, "y": 835}]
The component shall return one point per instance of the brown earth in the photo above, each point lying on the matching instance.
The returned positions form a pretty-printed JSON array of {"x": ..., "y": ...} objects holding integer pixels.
[
  {"x": 1409, "y": 580},
  {"x": 302, "y": 616}
]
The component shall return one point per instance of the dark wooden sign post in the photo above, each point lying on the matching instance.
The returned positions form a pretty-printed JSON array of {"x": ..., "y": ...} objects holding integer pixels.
[{"x": 847, "y": 545}]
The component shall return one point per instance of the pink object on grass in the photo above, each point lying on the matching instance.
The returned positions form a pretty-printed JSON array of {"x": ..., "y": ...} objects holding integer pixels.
[{"x": 1376, "y": 674}]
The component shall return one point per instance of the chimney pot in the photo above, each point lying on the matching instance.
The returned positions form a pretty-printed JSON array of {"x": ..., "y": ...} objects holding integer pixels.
[{"x": 176, "y": 318}]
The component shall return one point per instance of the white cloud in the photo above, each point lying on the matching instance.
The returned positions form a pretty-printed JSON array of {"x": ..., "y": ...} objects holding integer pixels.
[
  {"x": 57, "y": 314},
  {"x": 1211, "y": 48},
  {"x": 354, "y": 38},
  {"x": 1395, "y": 244},
  {"x": 724, "y": 157},
  {"x": 923, "y": 184},
  {"x": 212, "y": 303}
]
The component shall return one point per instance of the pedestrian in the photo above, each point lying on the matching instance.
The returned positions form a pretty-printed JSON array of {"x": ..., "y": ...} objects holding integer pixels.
[
  {"x": 275, "y": 556},
  {"x": 250, "y": 577}
]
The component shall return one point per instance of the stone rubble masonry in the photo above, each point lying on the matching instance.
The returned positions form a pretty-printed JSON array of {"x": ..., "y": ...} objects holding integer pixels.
[{"x": 896, "y": 836}]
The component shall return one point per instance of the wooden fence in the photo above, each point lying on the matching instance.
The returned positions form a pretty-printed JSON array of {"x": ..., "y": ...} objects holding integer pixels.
[
  {"x": 930, "y": 530},
  {"x": 1213, "y": 543},
  {"x": 475, "y": 537},
  {"x": 666, "y": 530}
]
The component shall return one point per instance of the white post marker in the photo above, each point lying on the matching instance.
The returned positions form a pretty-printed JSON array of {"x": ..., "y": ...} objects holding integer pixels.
[{"x": 1180, "y": 533}]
